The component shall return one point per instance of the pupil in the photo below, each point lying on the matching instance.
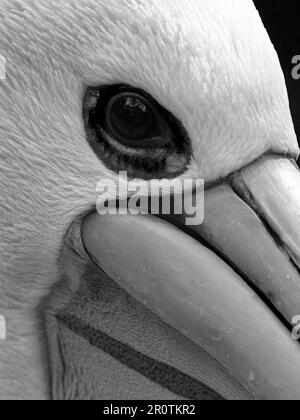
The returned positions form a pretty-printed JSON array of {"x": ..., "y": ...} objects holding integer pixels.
[{"x": 131, "y": 117}]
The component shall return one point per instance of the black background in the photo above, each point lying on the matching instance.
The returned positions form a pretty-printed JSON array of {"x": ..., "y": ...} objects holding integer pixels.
[{"x": 282, "y": 20}]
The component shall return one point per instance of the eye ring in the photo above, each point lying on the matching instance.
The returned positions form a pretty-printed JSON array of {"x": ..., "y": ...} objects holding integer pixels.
[{"x": 133, "y": 120}]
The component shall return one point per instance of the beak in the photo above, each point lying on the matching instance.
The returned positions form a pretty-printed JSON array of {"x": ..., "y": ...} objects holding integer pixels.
[{"x": 232, "y": 284}]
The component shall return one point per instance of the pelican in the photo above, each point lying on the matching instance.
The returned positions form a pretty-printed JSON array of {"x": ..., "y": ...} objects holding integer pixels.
[{"x": 162, "y": 89}]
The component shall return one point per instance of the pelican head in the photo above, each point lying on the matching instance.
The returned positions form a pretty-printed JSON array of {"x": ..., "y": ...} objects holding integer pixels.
[{"x": 208, "y": 79}]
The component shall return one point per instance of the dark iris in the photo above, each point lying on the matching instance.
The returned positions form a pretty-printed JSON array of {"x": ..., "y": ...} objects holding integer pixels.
[{"x": 132, "y": 118}]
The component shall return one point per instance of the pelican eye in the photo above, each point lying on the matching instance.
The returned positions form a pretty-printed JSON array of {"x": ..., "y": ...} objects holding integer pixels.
[
  {"x": 133, "y": 121},
  {"x": 130, "y": 131}
]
